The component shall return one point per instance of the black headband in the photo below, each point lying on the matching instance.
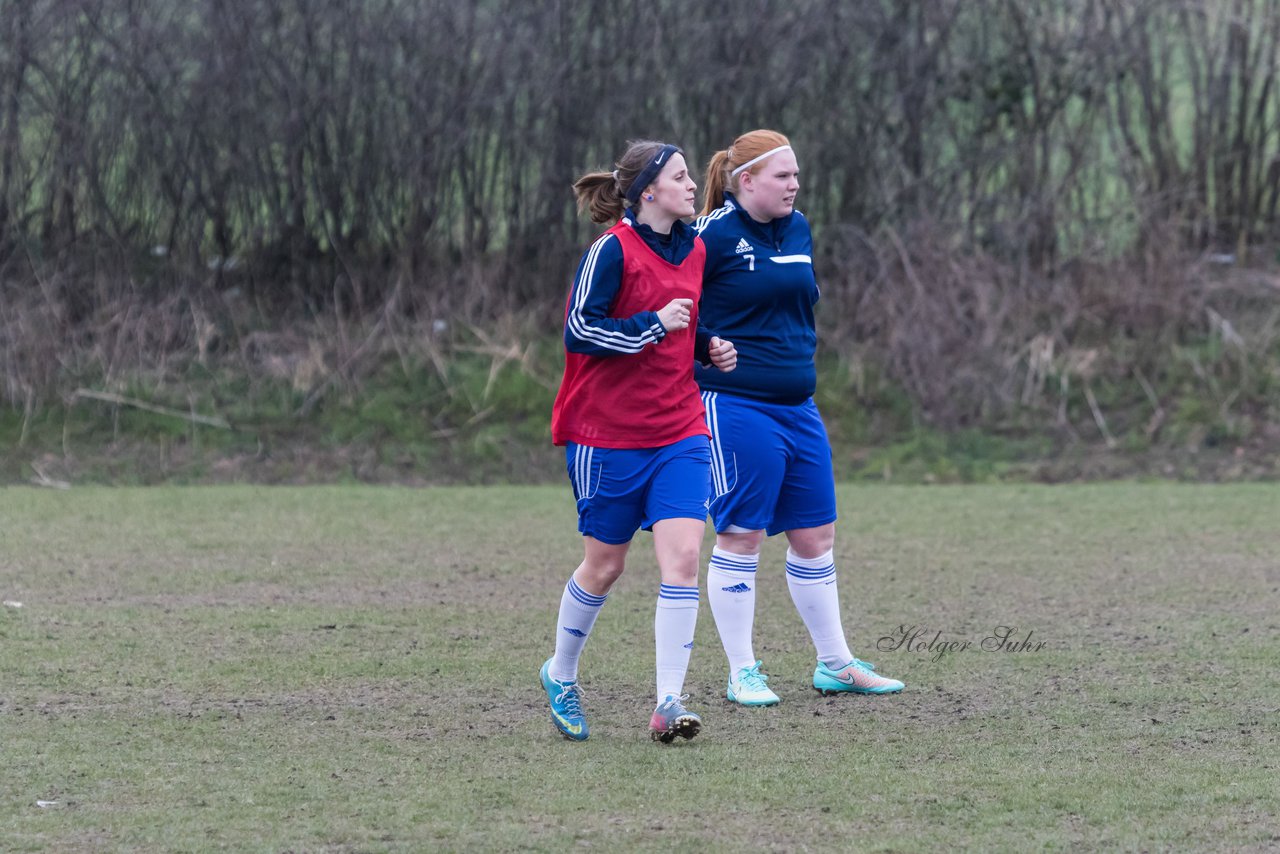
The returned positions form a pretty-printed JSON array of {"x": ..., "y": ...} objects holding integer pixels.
[{"x": 650, "y": 172}]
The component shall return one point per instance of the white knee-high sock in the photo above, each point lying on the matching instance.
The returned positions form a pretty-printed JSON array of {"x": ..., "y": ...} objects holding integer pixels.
[
  {"x": 673, "y": 623},
  {"x": 812, "y": 582},
  {"x": 578, "y": 612},
  {"x": 731, "y": 590}
]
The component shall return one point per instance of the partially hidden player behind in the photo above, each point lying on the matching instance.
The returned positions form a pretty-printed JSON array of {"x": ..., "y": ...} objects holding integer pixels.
[
  {"x": 770, "y": 456},
  {"x": 630, "y": 417}
]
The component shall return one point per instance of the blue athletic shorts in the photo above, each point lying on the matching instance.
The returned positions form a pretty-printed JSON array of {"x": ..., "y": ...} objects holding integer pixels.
[
  {"x": 770, "y": 465},
  {"x": 620, "y": 491}
]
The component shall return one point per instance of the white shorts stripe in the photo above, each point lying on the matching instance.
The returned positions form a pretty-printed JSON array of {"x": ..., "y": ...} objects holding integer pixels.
[
  {"x": 580, "y": 479},
  {"x": 577, "y": 473},
  {"x": 719, "y": 478}
]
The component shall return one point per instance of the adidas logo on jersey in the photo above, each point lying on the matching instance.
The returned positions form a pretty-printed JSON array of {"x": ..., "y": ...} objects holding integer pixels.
[{"x": 743, "y": 246}]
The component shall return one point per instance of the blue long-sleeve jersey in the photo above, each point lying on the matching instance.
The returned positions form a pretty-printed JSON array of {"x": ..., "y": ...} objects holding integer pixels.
[
  {"x": 758, "y": 291},
  {"x": 590, "y": 329}
]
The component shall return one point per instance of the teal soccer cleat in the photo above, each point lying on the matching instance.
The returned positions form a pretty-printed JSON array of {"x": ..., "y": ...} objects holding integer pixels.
[
  {"x": 856, "y": 677},
  {"x": 566, "y": 705},
  {"x": 672, "y": 719},
  {"x": 747, "y": 688}
]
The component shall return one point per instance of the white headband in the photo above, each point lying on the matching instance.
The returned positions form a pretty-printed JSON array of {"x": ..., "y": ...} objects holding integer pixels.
[{"x": 755, "y": 160}]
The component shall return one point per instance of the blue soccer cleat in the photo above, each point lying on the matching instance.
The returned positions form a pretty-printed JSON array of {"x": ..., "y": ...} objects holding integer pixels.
[
  {"x": 672, "y": 719},
  {"x": 566, "y": 705},
  {"x": 856, "y": 677},
  {"x": 747, "y": 688}
]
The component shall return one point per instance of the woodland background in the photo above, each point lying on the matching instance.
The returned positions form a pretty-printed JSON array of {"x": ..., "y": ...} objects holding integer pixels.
[{"x": 329, "y": 239}]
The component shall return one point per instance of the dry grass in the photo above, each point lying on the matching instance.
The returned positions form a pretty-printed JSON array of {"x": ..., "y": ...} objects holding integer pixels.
[{"x": 353, "y": 669}]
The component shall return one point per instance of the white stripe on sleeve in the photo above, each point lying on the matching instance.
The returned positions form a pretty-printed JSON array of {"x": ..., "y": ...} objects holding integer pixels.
[{"x": 606, "y": 338}]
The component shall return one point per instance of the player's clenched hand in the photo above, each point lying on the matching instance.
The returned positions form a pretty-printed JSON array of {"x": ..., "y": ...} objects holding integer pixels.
[
  {"x": 675, "y": 315},
  {"x": 723, "y": 354}
]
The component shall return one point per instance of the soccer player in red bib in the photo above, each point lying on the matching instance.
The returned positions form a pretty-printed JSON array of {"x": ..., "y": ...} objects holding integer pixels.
[
  {"x": 770, "y": 457},
  {"x": 631, "y": 420}
]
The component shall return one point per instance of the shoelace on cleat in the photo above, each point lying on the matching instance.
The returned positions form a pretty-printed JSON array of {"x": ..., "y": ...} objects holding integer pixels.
[
  {"x": 571, "y": 696},
  {"x": 675, "y": 704},
  {"x": 752, "y": 679}
]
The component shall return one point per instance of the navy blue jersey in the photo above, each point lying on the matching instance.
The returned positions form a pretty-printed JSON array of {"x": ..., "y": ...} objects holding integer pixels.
[{"x": 758, "y": 291}]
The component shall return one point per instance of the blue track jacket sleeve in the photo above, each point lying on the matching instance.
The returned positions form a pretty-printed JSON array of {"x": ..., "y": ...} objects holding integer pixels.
[
  {"x": 702, "y": 343},
  {"x": 588, "y": 328}
]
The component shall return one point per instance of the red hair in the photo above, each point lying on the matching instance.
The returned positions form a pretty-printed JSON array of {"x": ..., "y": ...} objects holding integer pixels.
[{"x": 720, "y": 168}]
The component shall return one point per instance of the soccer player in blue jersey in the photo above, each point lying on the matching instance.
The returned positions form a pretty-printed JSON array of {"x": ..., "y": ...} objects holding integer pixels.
[
  {"x": 629, "y": 415},
  {"x": 770, "y": 456}
]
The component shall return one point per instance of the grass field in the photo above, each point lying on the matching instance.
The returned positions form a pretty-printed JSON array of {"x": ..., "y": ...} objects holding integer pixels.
[{"x": 354, "y": 669}]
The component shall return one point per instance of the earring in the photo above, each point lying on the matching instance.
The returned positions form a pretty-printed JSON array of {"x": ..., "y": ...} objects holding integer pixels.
[{"x": 648, "y": 197}]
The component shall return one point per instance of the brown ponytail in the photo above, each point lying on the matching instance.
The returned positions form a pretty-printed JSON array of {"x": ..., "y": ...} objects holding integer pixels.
[
  {"x": 604, "y": 194},
  {"x": 598, "y": 193},
  {"x": 745, "y": 148}
]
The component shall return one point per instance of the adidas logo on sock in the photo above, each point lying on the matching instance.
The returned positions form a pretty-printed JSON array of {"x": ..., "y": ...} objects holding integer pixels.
[
  {"x": 743, "y": 246},
  {"x": 577, "y": 633},
  {"x": 689, "y": 645},
  {"x": 737, "y": 588}
]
